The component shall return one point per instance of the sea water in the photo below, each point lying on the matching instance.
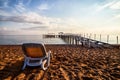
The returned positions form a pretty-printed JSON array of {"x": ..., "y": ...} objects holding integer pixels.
[{"x": 20, "y": 39}]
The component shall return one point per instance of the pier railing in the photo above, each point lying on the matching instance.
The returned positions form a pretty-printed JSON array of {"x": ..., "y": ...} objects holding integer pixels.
[{"x": 78, "y": 39}]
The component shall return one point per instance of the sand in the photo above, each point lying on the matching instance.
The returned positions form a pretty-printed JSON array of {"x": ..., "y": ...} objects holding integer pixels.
[{"x": 68, "y": 62}]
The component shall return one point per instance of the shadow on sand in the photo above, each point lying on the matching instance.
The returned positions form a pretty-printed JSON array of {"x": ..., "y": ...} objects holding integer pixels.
[{"x": 12, "y": 71}]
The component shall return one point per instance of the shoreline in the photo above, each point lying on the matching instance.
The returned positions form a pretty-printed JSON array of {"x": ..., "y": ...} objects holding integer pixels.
[
  {"x": 67, "y": 62},
  {"x": 53, "y": 44},
  {"x": 113, "y": 45}
]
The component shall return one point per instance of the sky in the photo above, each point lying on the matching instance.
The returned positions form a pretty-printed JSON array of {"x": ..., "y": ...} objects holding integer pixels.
[{"x": 34, "y": 17}]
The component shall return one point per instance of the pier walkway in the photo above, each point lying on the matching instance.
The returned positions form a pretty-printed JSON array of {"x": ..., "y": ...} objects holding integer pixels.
[{"x": 75, "y": 39}]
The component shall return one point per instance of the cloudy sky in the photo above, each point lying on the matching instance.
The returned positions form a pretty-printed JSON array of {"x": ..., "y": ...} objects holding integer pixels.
[{"x": 23, "y": 17}]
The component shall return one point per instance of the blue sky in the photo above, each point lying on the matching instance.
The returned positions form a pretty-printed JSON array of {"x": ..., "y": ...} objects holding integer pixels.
[{"x": 24, "y": 17}]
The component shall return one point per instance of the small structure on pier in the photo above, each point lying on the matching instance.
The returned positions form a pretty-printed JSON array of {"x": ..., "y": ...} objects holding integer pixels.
[{"x": 49, "y": 35}]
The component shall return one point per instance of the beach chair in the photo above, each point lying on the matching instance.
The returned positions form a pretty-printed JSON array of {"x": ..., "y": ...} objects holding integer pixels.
[{"x": 36, "y": 55}]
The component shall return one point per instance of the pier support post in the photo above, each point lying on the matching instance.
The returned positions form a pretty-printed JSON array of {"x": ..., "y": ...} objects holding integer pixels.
[
  {"x": 107, "y": 38},
  {"x": 100, "y": 37},
  {"x": 70, "y": 40},
  {"x": 76, "y": 40},
  {"x": 94, "y": 36},
  {"x": 117, "y": 39}
]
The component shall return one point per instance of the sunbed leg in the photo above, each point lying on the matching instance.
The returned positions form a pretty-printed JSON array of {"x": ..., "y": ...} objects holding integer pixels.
[
  {"x": 25, "y": 62},
  {"x": 46, "y": 61}
]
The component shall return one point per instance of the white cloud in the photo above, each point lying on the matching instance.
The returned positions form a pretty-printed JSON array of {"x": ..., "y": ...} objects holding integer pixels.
[
  {"x": 115, "y": 5},
  {"x": 6, "y": 3},
  {"x": 117, "y": 16},
  {"x": 102, "y": 7},
  {"x": 39, "y": 22},
  {"x": 20, "y": 7},
  {"x": 43, "y": 7},
  {"x": 26, "y": 18},
  {"x": 7, "y": 31},
  {"x": 3, "y": 28},
  {"x": 4, "y": 13},
  {"x": 33, "y": 18},
  {"x": 111, "y": 5}
]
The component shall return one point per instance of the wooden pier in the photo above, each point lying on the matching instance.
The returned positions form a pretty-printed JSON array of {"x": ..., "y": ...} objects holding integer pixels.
[
  {"x": 50, "y": 36},
  {"x": 74, "y": 39}
]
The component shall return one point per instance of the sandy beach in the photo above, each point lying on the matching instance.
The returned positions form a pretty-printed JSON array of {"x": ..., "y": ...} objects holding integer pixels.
[{"x": 68, "y": 62}]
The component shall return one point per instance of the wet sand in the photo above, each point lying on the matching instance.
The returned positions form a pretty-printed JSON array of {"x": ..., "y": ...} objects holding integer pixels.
[{"x": 67, "y": 63}]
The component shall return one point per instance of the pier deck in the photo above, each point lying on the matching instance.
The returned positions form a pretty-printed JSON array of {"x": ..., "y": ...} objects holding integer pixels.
[{"x": 79, "y": 40}]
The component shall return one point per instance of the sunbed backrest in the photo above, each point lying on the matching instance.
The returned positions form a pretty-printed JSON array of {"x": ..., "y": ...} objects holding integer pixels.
[{"x": 34, "y": 50}]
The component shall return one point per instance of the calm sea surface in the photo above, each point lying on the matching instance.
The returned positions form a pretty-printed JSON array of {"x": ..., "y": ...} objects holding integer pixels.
[{"x": 20, "y": 39}]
